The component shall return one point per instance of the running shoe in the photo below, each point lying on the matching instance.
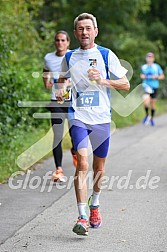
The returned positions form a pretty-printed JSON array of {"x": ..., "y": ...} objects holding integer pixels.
[
  {"x": 74, "y": 156},
  {"x": 89, "y": 201},
  {"x": 95, "y": 219},
  {"x": 146, "y": 120},
  {"x": 58, "y": 175},
  {"x": 81, "y": 226},
  {"x": 152, "y": 123}
]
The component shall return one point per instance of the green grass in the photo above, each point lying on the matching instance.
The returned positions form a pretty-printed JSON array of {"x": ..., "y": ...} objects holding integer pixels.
[
  {"x": 137, "y": 115},
  {"x": 21, "y": 141},
  {"x": 18, "y": 144}
]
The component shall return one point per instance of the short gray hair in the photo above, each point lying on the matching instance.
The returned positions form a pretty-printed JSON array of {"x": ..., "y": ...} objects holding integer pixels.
[{"x": 85, "y": 16}]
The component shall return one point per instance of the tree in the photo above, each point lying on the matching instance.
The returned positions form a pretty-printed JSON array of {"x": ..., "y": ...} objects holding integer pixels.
[{"x": 20, "y": 55}]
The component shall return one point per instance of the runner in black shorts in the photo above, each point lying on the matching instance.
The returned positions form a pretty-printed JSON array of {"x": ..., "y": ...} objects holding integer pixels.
[
  {"x": 151, "y": 73},
  {"x": 50, "y": 76}
]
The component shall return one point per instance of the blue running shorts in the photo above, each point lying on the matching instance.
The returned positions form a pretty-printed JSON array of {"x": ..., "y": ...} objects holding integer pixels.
[{"x": 98, "y": 134}]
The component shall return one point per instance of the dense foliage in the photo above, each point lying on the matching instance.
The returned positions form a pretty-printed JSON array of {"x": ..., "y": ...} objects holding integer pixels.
[{"x": 20, "y": 56}]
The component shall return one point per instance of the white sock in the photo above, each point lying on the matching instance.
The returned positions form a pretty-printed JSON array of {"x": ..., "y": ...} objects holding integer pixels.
[
  {"x": 95, "y": 198},
  {"x": 82, "y": 209}
]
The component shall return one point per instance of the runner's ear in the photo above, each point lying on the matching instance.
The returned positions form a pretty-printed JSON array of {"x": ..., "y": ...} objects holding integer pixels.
[{"x": 96, "y": 32}]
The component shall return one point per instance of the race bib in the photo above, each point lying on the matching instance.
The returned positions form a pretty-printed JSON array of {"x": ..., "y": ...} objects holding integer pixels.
[{"x": 87, "y": 99}]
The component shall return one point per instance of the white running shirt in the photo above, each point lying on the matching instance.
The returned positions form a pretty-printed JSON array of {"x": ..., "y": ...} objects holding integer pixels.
[
  {"x": 90, "y": 101},
  {"x": 52, "y": 63}
]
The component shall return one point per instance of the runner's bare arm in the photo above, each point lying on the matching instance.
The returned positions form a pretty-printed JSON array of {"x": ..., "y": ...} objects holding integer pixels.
[
  {"x": 47, "y": 79},
  {"x": 120, "y": 84}
]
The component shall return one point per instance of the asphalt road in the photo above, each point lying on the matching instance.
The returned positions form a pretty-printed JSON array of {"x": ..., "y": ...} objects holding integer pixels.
[{"x": 39, "y": 216}]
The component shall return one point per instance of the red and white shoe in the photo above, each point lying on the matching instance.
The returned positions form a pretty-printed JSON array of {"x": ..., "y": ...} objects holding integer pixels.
[{"x": 81, "y": 226}]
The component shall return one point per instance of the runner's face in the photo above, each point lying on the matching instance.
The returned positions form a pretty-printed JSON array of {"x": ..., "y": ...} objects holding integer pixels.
[
  {"x": 61, "y": 43},
  {"x": 150, "y": 59},
  {"x": 85, "y": 33}
]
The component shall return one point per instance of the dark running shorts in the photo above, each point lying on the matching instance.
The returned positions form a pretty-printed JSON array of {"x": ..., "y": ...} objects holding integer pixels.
[{"x": 154, "y": 95}]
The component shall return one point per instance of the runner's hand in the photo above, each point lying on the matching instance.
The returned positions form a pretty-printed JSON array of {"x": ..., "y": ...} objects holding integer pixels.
[
  {"x": 154, "y": 77},
  {"x": 94, "y": 75},
  {"x": 59, "y": 94}
]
